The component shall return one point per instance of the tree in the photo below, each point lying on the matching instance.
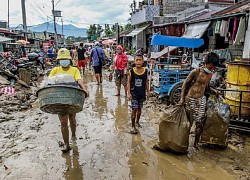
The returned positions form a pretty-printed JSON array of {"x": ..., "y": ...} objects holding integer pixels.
[
  {"x": 99, "y": 30},
  {"x": 128, "y": 27},
  {"x": 94, "y": 30},
  {"x": 108, "y": 31},
  {"x": 121, "y": 28},
  {"x": 91, "y": 31}
]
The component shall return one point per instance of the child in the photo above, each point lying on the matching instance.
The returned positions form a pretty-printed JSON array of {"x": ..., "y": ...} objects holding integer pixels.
[
  {"x": 138, "y": 89},
  {"x": 64, "y": 59}
]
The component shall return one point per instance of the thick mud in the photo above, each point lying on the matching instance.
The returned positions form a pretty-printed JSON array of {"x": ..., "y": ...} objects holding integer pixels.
[{"x": 30, "y": 146}]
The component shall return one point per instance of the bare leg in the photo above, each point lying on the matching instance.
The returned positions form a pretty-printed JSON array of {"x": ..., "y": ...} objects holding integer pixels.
[
  {"x": 101, "y": 77},
  {"x": 133, "y": 116},
  {"x": 118, "y": 90},
  {"x": 198, "y": 131},
  {"x": 65, "y": 131},
  {"x": 83, "y": 70},
  {"x": 138, "y": 116},
  {"x": 125, "y": 89},
  {"x": 72, "y": 120},
  {"x": 97, "y": 76}
]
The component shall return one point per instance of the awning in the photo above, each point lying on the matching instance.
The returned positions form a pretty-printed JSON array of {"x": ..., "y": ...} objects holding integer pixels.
[
  {"x": 137, "y": 30},
  {"x": 4, "y": 39},
  {"x": 193, "y": 31},
  {"x": 176, "y": 41},
  {"x": 155, "y": 55},
  {"x": 196, "y": 30}
]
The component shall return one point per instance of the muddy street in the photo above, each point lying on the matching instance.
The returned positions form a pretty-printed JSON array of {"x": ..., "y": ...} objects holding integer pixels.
[{"x": 30, "y": 146}]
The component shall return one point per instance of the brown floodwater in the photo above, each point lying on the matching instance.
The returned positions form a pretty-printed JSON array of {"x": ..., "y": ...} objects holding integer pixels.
[{"x": 29, "y": 146}]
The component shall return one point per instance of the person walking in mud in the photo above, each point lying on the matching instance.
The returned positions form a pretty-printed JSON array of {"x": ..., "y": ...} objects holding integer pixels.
[
  {"x": 120, "y": 69},
  {"x": 81, "y": 63},
  {"x": 138, "y": 90},
  {"x": 96, "y": 57},
  {"x": 64, "y": 59},
  {"x": 194, "y": 92}
]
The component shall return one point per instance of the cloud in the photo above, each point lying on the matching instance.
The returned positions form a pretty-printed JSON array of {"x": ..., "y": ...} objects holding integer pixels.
[{"x": 81, "y": 13}]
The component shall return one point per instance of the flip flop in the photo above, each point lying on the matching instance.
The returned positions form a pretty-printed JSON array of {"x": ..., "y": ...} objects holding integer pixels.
[{"x": 134, "y": 131}]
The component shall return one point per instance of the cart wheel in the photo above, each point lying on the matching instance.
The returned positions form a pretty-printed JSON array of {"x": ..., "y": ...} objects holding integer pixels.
[{"x": 175, "y": 94}]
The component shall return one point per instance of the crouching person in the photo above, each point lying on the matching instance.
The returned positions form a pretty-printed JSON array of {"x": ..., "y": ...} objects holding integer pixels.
[
  {"x": 65, "y": 67},
  {"x": 193, "y": 95}
]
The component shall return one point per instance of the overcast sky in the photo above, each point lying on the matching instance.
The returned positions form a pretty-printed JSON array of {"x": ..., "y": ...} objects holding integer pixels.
[{"x": 81, "y": 13}]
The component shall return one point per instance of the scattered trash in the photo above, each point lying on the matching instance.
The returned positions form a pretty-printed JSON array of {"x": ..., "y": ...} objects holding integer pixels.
[
  {"x": 4, "y": 81},
  {"x": 8, "y": 91}
]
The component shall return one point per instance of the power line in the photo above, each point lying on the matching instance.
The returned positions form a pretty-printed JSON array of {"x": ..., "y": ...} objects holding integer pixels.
[
  {"x": 41, "y": 16},
  {"x": 57, "y": 2},
  {"x": 41, "y": 9}
]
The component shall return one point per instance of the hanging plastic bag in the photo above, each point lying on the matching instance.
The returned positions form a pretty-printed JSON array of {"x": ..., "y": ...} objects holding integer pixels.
[
  {"x": 216, "y": 126},
  {"x": 174, "y": 130}
]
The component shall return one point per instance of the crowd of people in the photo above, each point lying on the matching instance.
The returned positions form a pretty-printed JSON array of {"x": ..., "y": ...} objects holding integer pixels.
[{"x": 135, "y": 82}]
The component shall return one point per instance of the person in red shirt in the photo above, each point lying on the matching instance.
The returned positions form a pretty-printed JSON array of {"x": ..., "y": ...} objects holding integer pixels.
[{"x": 120, "y": 69}]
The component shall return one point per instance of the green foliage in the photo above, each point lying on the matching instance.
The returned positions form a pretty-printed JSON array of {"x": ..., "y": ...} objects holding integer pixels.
[
  {"x": 72, "y": 39},
  {"x": 94, "y": 30},
  {"x": 128, "y": 27},
  {"x": 108, "y": 31}
]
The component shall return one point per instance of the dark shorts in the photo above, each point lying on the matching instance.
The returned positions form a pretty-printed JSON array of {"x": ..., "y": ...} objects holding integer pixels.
[
  {"x": 98, "y": 69},
  {"x": 136, "y": 104}
]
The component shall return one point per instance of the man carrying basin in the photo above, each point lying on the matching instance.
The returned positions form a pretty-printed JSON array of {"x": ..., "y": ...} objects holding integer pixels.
[{"x": 65, "y": 67}]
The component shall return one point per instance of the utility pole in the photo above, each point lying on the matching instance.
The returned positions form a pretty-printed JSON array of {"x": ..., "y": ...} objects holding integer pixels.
[
  {"x": 24, "y": 19},
  {"x": 54, "y": 19},
  {"x": 8, "y": 14},
  {"x": 62, "y": 32},
  {"x": 117, "y": 30}
]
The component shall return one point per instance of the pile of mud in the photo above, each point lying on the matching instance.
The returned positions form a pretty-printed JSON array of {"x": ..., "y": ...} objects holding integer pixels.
[{"x": 20, "y": 101}]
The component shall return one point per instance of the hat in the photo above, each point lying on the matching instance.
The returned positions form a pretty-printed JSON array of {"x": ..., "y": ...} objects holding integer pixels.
[{"x": 63, "y": 53}]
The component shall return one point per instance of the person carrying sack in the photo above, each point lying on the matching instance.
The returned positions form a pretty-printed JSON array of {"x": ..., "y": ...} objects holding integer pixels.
[{"x": 193, "y": 95}]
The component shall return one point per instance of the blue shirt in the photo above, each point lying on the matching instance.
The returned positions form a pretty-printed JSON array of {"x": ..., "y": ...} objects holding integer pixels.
[
  {"x": 96, "y": 59},
  {"x": 50, "y": 51}
]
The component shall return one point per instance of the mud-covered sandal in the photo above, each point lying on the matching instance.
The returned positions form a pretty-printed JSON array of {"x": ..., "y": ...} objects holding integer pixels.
[{"x": 67, "y": 149}]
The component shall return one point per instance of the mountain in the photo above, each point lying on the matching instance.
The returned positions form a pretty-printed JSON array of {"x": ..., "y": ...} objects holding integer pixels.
[{"x": 68, "y": 29}]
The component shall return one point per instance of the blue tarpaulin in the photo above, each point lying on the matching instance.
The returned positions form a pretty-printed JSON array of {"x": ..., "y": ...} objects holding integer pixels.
[{"x": 176, "y": 41}]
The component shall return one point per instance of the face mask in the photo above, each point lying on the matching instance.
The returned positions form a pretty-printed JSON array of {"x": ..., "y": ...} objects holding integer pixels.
[
  {"x": 64, "y": 63},
  {"x": 207, "y": 71},
  {"x": 119, "y": 51}
]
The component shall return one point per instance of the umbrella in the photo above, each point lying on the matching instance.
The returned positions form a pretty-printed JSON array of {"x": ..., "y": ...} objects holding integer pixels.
[
  {"x": 23, "y": 42},
  {"x": 108, "y": 42}
]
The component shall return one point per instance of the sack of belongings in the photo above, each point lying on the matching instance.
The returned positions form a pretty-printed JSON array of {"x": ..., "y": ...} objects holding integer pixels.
[
  {"x": 174, "y": 130},
  {"x": 216, "y": 126},
  {"x": 59, "y": 79}
]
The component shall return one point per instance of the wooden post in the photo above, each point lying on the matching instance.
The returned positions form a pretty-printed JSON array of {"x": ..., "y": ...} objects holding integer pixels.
[{"x": 24, "y": 75}]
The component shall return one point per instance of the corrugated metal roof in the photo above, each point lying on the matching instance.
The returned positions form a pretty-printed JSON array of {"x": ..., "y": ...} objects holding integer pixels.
[
  {"x": 4, "y": 39},
  {"x": 239, "y": 7},
  {"x": 205, "y": 16}
]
